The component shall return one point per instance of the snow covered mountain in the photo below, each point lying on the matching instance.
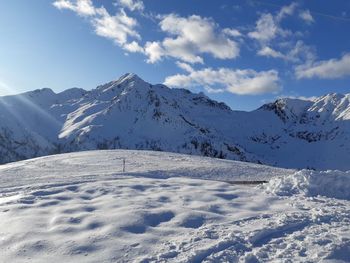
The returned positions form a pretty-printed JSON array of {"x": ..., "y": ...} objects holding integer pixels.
[
  {"x": 312, "y": 134},
  {"x": 130, "y": 113}
]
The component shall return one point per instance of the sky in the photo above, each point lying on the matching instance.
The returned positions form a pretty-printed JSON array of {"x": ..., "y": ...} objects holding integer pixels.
[{"x": 242, "y": 52}]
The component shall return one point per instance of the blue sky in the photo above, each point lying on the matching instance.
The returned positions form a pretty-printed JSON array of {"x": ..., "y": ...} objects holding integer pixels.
[{"x": 244, "y": 53}]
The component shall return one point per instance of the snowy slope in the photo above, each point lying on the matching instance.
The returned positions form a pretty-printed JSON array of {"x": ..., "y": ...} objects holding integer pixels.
[
  {"x": 81, "y": 207},
  {"x": 315, "y": 134},
  {"x": 130, "y": 113},
  {"x": 305, "y": 134},
  {"x": 108, "y": 164}
]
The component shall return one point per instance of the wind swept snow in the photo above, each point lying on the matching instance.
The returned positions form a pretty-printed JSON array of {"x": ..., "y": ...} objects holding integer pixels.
[
  {"x": 334, "y": 184},
  {"x": 81, "y": 207}
]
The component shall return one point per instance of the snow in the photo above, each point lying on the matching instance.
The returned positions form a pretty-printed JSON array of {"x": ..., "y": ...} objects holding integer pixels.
[
  {"x": 108, "y": 164},
  {"x": 129, "y": 113},
  {"x": 333, "y": 184},
  {"x": 166, "y": 207}
]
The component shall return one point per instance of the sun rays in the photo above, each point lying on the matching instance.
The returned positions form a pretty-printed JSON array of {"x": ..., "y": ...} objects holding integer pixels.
[{"x": 40, "y": 116}]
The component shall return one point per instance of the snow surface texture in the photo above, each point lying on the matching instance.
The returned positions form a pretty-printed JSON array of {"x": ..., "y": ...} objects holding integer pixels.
[
  {"x": 80, "y": 207},
  {"x": 334, "y": 184},
  {"x": 130, "y": 113}
]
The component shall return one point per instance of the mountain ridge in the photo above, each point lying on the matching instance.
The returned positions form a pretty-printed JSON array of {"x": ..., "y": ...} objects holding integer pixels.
[{"x": 130, "y": 113}]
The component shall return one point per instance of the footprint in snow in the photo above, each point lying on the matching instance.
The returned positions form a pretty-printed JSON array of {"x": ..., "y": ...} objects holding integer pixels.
[
  {"x": 228, "y": 197},
  {"x": 149, "y": 220},
  {"x": 193, "y": 221}
]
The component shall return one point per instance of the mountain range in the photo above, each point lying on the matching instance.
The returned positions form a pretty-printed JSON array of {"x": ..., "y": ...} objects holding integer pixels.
[{"x": 130, "y": 113}]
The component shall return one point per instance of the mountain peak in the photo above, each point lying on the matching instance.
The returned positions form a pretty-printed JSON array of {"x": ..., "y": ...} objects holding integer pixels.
[
  {"x": 43, "y": 93},
  {"x": 128, "y": 80},
  {"x": 130, "y": 77}
]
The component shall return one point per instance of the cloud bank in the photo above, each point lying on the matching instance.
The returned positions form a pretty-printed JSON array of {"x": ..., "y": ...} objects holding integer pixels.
[
  {"x": 236, "y": 81},
  {"x": 326, "y": 69}
]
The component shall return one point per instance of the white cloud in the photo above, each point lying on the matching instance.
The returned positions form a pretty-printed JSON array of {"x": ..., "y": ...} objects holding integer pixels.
[
  {"x": 269, "y": 52},
  {"x": 298, "y": 53},
  {"x": 277, "y": 42},
  {"x": 231, "y": 32},
  {"x": 266, "y": 29},
  {"x": 81, "y": 7},
  {"x": 132, "y": 4},
  {"x": 119, "y": 27},
  {"x": 154, "y": 51},
  {"x": 243, "y": 82},
  {"x": 214, "y": 90},
  {"x": 268, "y": 26},
  {"x": 190, "y": 37},
  {"x": 286, "y": 11},
  {"x": 184, "y": 66},
  {"x": 326, "y": 69},
  {"x": 182, "y": 49},
  {"x": 306, "y": 16},
  {"x": 301, "y": 52},
  {"x": 133, "y": 47},
  {"x": 64, "y": 4}
]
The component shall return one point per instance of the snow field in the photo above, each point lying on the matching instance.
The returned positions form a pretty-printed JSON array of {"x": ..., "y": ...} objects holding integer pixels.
[{"x": 80, "y": 208}]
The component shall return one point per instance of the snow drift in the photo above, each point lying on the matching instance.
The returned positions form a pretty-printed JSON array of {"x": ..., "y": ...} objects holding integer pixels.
[{"x": 334, "y": 184}]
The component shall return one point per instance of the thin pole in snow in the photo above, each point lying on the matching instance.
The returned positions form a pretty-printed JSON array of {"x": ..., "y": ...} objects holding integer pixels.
[{"x": 123, "y": 165}]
